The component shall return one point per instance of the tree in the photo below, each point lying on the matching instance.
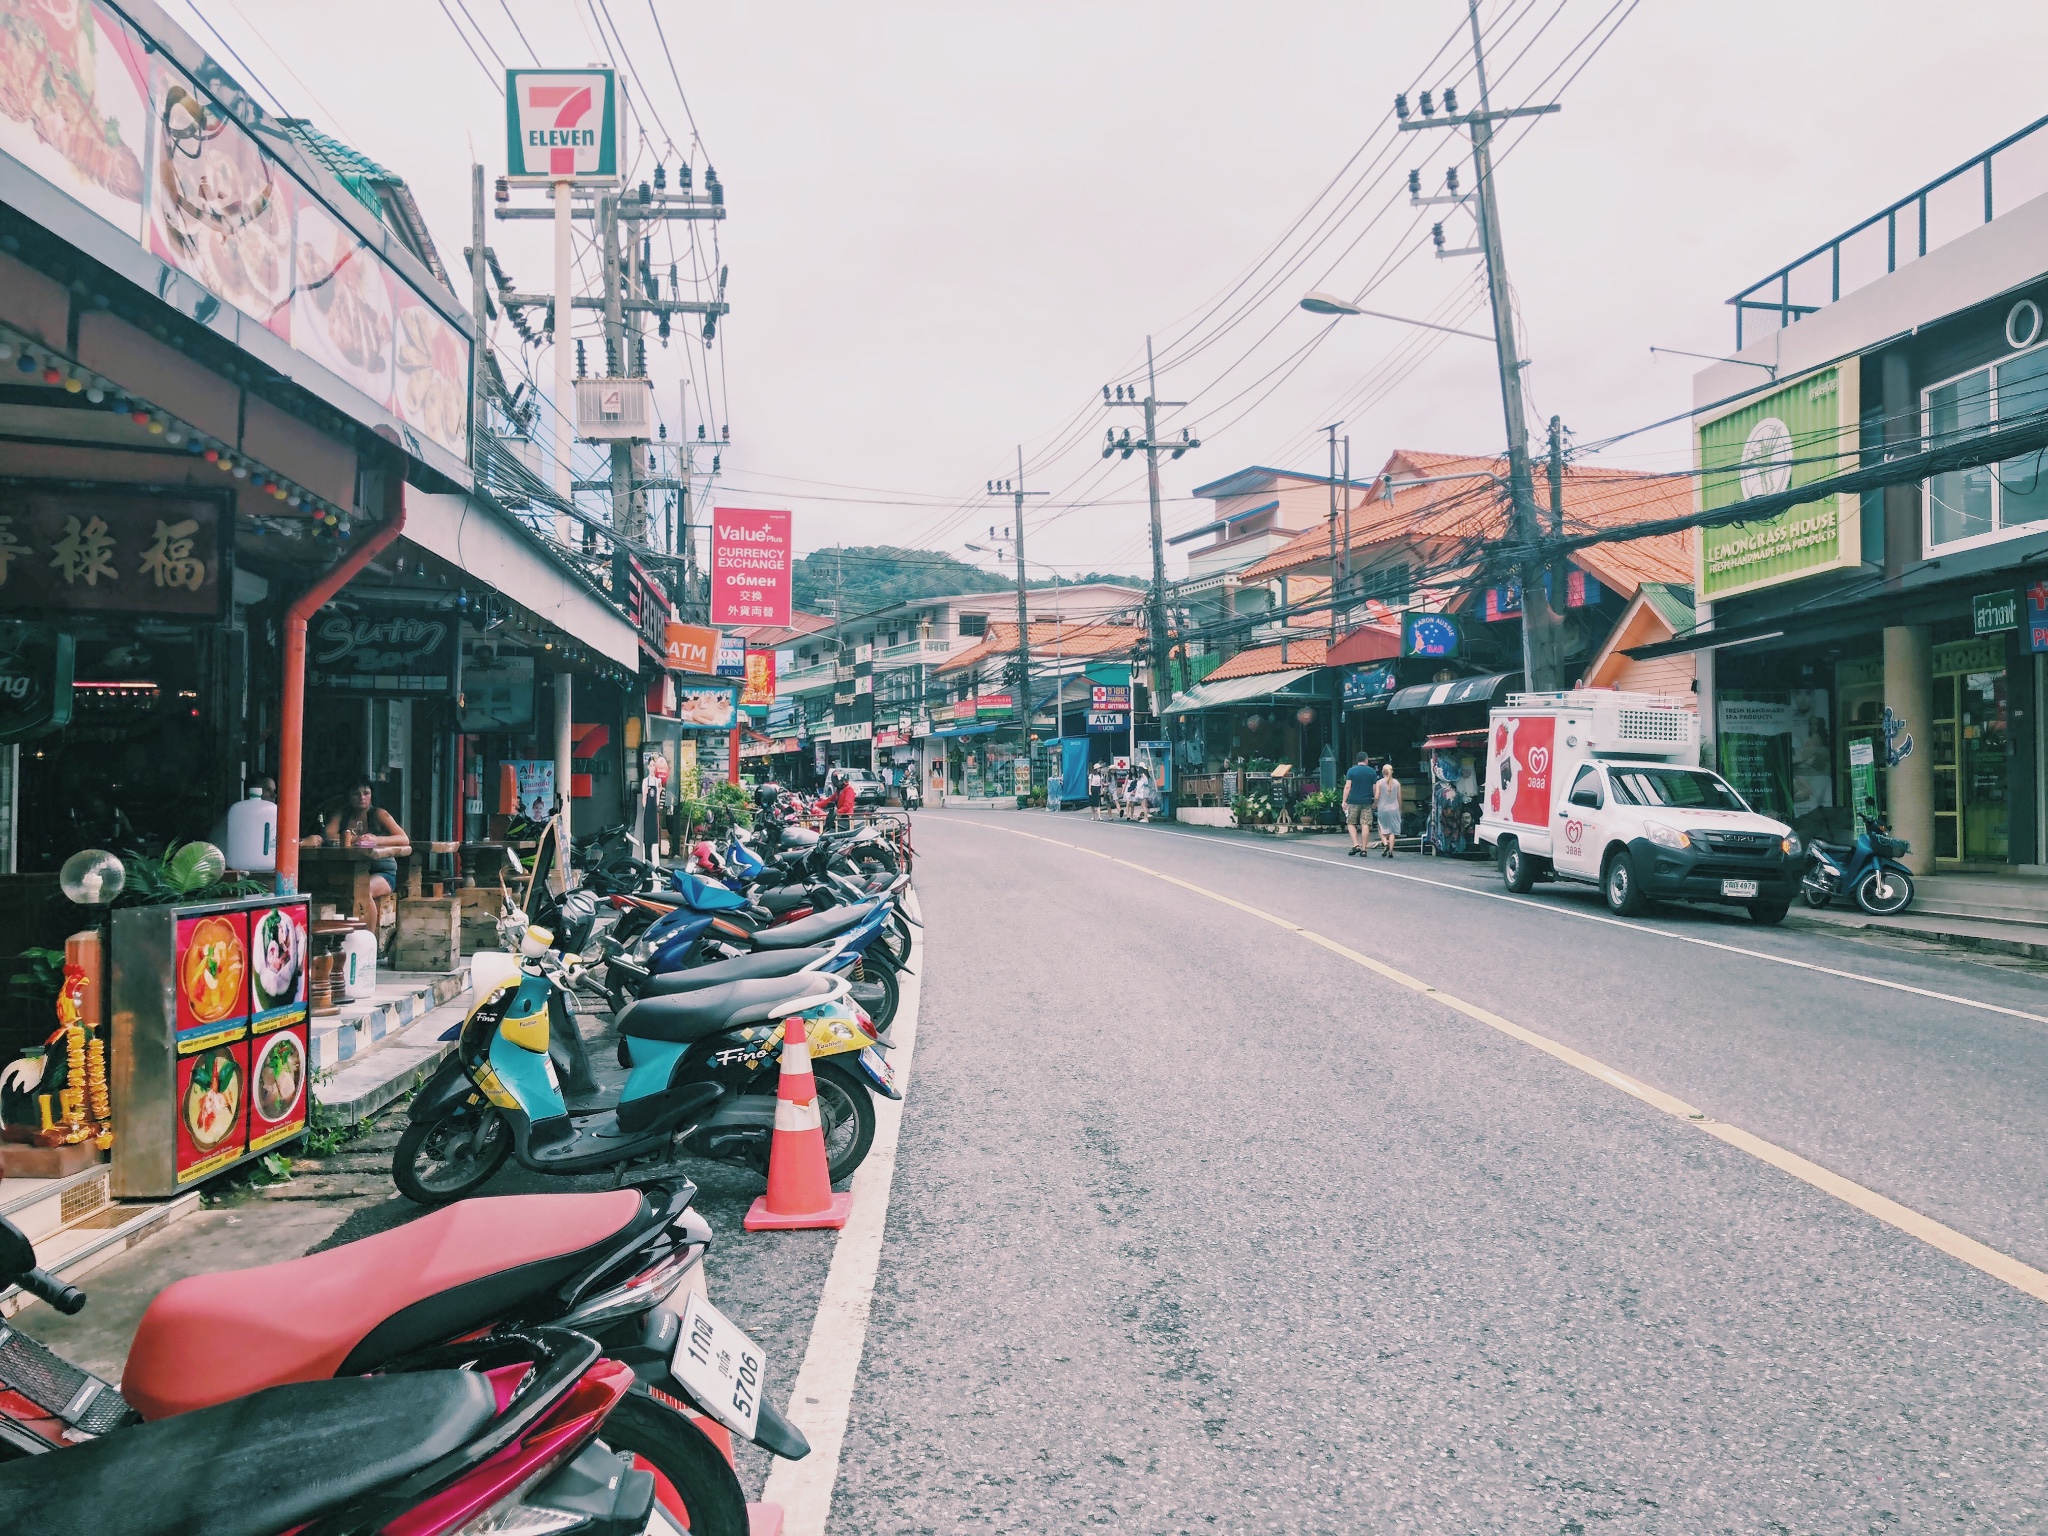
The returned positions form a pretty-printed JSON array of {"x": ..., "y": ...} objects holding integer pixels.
[{"x": 876, "y": 575}]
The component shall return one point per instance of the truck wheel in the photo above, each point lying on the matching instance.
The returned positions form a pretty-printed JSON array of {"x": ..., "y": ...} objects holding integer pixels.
[
  {"x": 1517, "y": 869},
  {"x": 1768, "y": 914},
  {"x": 1618, "y": 884}
]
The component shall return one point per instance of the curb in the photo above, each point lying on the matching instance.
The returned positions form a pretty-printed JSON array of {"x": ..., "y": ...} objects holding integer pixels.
[{"x": 400, "y": 1064}]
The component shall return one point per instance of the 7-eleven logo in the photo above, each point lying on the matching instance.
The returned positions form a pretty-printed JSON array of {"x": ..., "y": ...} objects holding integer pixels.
[{"x": 558, "y": 123}]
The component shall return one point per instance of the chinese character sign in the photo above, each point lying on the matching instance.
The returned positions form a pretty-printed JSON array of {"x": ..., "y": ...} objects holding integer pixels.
[
  {"x": 106, "y": 552},
  {"x": 750, "y": 574}
]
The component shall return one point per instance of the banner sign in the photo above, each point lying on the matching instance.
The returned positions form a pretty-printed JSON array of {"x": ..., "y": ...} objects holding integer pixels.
[
  {"x": 707, "y": 706},
  {"x": 1580, "y": 591},
  {"x": 1803, "y": 432},
  {"x": 2037, "y": 617},
  {"x": 992, "y": 704},
  {"x": 109, "y": 552},
  {"x": 374, "y": 648},
  {"x": 1108, "y": 725},
  {"x": 759, "y": 690},
  {"x": 1369, "y": 685},
  {"x": 732, "y": 656},
  {"x": 561, "y": 125},
  {"x": 750, "y": 567},
  {"x": 1110, "y": 698},
  {"x": 689, "y": 648}
]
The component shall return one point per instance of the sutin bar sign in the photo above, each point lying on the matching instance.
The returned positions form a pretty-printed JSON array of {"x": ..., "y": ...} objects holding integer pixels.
[{"x": 561, "y": 125}]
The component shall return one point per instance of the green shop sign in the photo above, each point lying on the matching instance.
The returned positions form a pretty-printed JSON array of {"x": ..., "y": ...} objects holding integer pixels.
[
  {"x": 1993, "y": 613},
  {"x": 1793, "y": 436}
]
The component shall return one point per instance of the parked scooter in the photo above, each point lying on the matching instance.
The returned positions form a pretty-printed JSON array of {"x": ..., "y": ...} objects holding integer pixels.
[
  {"x": 606, "y": 1265},
  {"x": 501, "y": 1430},
  {"x": 1869, "y": 870},
  {"x": 703, "y": 1081}
]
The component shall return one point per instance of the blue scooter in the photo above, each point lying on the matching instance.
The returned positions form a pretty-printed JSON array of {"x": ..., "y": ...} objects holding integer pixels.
[{"x": 1869, "y": 869}]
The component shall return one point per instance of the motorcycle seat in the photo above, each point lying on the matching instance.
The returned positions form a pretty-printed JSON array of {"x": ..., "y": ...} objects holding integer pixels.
[
  {"x": 687, "y": 1016},
  {"x": 1839, "y": 851},
  {"x": 770, "y": 962},
  {"x": 208, "y": 1338},
  {"x": 784, "y": 897},
  {"x": 261, "y": 1464},
  {"x": 815, "y": 929}
]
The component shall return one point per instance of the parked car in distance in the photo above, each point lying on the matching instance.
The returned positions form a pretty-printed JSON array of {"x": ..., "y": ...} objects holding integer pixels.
[{"x": 868, "y": 788}]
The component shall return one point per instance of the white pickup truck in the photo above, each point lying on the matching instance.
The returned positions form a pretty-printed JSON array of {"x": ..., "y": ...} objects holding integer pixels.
[{"x": 1605, "y": 788}]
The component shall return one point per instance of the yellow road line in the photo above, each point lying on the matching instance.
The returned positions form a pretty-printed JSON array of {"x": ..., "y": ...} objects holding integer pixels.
[{"x": 1999, "y": 1266}]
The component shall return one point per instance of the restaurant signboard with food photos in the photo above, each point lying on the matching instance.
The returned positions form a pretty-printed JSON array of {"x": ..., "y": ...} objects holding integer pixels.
[
  {"x": 198, "y": 178},
  {"x": 211, "y": 1050}
]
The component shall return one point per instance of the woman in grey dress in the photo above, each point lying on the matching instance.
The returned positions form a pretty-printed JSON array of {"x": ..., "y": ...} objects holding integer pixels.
[{"x": 1386, "y": 800}]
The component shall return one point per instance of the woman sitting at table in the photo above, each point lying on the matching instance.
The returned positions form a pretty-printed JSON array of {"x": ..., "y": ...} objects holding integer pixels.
[{"x": 360, "y": 822}]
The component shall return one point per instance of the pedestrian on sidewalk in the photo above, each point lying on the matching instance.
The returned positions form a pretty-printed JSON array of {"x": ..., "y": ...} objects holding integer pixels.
[
  {"x": 1387, "y": 801},
  {"x": 1358, "y": 782},
  {"x": 1141, "y": 796},
  {"x": 1095, "y": 791}
]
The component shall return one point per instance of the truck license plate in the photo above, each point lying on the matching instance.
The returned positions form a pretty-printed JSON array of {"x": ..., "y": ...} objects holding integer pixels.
[
  {"x": 1738, "y": 887},
  {"x": 720, "y": 1367}
]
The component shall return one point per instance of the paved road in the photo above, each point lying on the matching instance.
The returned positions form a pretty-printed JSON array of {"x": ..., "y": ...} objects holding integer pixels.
[{"x": 1201, "y": 1226}]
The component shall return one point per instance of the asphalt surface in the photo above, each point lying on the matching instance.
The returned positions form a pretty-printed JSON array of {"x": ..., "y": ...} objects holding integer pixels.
[{"x": 1198, "y": 1226}]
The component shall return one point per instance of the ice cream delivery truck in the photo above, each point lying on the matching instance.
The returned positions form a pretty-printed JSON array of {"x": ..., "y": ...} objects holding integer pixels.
[{"x": 1605, "y": 789}]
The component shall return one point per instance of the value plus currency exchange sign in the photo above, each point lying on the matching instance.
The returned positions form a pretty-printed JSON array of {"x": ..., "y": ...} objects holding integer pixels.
[
  {"x": 750, "y": 576},
  {"x": 560, "y": 125}
]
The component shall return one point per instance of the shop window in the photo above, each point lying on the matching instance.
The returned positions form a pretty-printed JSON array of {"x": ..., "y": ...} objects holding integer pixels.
[
  {"x": 1969, "y": 505},
  {"x": 973, "y": 625}
]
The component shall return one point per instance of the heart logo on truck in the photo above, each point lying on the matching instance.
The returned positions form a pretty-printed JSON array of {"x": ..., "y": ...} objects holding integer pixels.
[{"x": 1539, "y": 761}]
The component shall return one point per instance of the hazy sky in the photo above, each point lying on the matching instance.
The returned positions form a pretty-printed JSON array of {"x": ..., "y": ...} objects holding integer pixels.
[{"x": 951, "y": 224}]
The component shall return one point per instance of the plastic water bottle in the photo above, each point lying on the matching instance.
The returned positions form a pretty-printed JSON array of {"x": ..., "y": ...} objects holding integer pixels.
[{"x": 252, "y": 835}]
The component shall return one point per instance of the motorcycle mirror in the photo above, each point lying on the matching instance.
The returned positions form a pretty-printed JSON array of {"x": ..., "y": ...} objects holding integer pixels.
[{"x": 512, "y": 858}]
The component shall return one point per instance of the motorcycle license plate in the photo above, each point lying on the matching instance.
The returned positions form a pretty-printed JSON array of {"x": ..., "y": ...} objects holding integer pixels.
[
  {"x": 1738, "y": 887},
  {"x": 720, "y": 1367},
  {"x": 876, "y": 1065}
]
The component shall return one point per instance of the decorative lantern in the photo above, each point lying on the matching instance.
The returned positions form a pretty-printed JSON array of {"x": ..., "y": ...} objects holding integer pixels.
[
  {"x": 1251, "y": 722},
  {"x": 1304, "y": 716}
]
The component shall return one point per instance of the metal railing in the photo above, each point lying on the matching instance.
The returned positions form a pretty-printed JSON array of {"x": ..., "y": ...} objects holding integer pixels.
[{"x": 2010, "y": 172}]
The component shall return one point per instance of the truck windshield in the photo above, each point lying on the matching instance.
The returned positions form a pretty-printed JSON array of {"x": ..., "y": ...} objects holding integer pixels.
[{"x": 1688, "y": 789}]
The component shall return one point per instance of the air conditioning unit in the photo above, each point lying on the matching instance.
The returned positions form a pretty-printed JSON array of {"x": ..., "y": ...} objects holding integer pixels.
[{"x": 614, "y": 410}]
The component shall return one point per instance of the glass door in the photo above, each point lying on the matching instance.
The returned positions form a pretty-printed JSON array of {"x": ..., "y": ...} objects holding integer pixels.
[
  {"x": 1982, "y": 769},
  {"x": 1948, "y": 805}
]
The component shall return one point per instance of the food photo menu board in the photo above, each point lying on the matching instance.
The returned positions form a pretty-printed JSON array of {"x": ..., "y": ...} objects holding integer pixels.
[{"x": 210, "y": 1051}]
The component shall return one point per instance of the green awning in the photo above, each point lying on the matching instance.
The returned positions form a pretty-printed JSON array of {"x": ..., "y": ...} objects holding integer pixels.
[{"x": 1241, "y": 690}]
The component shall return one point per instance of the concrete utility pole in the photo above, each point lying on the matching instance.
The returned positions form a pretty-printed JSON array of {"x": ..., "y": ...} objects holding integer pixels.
[
  {"x": 617, "y": 364},
  {"x": 479, "y": 302},
  {"x": 565, "y": 360},
  {"x": 1542, "y": 634},
  {"x": 1020, "y": 703},
  {"x": 1151, "y": 446},
  {"x": 1331, "y": 429},
  {"x": 1560, "y": 570}
]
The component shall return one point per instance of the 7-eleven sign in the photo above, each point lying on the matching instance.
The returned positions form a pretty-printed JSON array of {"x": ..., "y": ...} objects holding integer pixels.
[{"x": 561, "y": 125}]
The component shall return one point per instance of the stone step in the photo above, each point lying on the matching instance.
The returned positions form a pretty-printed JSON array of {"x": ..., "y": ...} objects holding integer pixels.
[{"x": 101, "y": 1234}]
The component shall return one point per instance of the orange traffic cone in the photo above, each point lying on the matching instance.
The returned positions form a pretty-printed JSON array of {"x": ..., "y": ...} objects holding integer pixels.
[{"x": 799, "y": 1176}]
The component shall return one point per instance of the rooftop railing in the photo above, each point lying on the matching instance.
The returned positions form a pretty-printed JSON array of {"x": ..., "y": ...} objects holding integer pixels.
[{"x": 2009, "y": 173}]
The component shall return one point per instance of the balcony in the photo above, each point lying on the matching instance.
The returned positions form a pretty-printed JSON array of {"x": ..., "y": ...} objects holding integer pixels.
[
  {"x": 2011, "y": 172},
  {"x": 911, "y": 652}
]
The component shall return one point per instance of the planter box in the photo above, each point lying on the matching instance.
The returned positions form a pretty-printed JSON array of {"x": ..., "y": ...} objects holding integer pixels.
[{"x": 1204, "y": 815}]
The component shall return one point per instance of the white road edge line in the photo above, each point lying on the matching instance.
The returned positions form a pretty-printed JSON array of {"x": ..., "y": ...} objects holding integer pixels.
[
  {"x": 1615, "y": 922},
  {"x": 822, "y": 1398}
]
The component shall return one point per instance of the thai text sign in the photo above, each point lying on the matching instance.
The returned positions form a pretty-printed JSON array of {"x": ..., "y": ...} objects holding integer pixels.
[
  {"x": 750, "y": 574},
  {"x": 1794, "y": 436},
  {"x": 561, "y": 125},
  {"x": 1993, "y": 613},
  {"x": 72, "y": 551}
]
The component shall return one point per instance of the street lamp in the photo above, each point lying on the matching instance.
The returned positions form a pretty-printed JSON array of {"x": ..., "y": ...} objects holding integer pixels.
[{"x": 1319, "y": 303}]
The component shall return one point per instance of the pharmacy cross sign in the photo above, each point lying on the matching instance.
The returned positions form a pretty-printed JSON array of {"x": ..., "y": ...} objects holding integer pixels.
[{"x": 561, "y": 125}]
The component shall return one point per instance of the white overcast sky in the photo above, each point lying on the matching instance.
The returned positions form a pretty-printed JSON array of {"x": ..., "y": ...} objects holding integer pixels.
[{"x": 951, "y": 223}]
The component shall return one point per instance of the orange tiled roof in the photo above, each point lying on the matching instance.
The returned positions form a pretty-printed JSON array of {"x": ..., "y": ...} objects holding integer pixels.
[
  {"x": 1049, "y": 638},
  {"x": 1452, "y": 512},
  {"x": 1305, "y": 652}
]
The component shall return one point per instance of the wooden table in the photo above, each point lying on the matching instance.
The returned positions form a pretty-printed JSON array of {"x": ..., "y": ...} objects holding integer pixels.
[{"x": 342, "y": 876}]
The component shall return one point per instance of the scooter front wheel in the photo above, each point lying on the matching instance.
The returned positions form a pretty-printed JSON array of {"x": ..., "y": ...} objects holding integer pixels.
[
  {"x": 1816, "y": 899},
  {"x": 452, "y": 1156},
  {"x": 1885, "y": 891}
]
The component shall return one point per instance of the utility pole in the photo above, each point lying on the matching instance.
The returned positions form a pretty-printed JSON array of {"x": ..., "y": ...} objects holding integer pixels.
[
  {"x": 565, "y": 375},
  {"x": 1331, "y": 429},
  {"x": 1021, "y": 703},
  {"x": 1560, "y": 570},
  {"x": 1542, "y": 635},
  {"x": 1151, "y": 447},
  {"x": 616, "y": 363}
]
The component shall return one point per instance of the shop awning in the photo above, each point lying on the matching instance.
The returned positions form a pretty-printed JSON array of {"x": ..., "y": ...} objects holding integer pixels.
[
  {"x": 971, "y": 730},
  {"x": 469, "y": 535},
  {"x": 1238, "y": 690},
  {"x": 1451, "y": 740},
  {"x": 1462, "y": 690}
]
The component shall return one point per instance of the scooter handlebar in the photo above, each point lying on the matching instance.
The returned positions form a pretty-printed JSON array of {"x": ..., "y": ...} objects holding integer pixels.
[{"x": 44, "y": 1286}]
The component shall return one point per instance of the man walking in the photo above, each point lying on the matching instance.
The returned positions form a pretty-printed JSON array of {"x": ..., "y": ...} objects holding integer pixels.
[
  {"x": 1358, "y": 782},
  {"x": 1387, "y": 800}
]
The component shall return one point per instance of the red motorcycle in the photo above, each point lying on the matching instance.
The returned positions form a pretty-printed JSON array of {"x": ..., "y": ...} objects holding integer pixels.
[{"x": 446, "y": 1286}]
